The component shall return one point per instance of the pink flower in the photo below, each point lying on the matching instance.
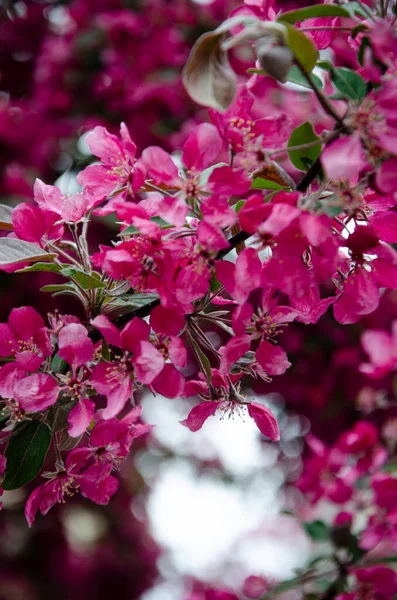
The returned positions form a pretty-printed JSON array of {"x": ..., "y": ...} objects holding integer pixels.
[
  {"x": 381, "y": 347},
  {"x": 94, "y": 483},
  {"x": 110, "y": 442},
  {"x": 34, "y": 225},
  {"x": 49, "y": 198},
  {"x": 75, "y": 347},
  {"x": 379, "y": 581},
  {"x": 25, "y": 337},
  {"x": 263, "y": 417},
  {"x": 140, "y": 361},
  {"x": 344, "y": 158},
  {"x": 227, "y": 402},
  {"x": 200, "y": 151},
  {"x": 119, "y": 169},
  {"x": 371, "y": 265},
  {"x": 242, "y": 277},
  {"x": 255, "y": 587},
  {"x": 29, "y": 394}
]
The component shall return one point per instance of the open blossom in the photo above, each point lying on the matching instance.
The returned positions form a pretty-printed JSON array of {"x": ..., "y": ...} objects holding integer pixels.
[
  {"x": 50, "y": 199},
  {"x": 219, "y": 398},
  {"x": 25, "y": 337},
  {"x": 200, "y": 151},
  {"x": 140, "y": 361},
  {"x": 26, "y": 393},
  {"x": 94, "y": 482},
  {"x": 119, "y": 170}
]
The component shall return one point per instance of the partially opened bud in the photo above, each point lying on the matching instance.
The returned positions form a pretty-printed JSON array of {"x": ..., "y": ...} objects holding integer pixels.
[{"x": 274, "y": 59}]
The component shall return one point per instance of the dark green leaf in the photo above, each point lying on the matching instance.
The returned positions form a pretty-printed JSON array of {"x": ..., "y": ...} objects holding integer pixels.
[
  {"x": 304, "y": 134},
  {"x": 25, "y": 454},
  {"x": 105, "y": 350},
  {"x": 238, "y": 206},
  {"x": 302, "y": 47},
  {"x": 266, "y": 184},
  {"x": 325, "y": 64},
  {"x": 358, "y": 29},
  {"x": 202, "y": 360},
  {"x": 310, "y": 12},
  {"x": 349, "y": 83},
  {"x": 365, "y": 43},
  {"x": 317, "y": 530},
  {"x": 58, "y": 365},
  {"x": 295, "y": 76},
  {"x": 215, "y": 284},
  {"x": 41, "y": 266},
  {"x": 86, "y": 281}
]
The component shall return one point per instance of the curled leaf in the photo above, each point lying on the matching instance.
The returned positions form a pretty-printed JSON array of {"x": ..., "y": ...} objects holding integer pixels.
[
  {"x": 5, "y": 217},
  {"x": 208, "y": 77}
]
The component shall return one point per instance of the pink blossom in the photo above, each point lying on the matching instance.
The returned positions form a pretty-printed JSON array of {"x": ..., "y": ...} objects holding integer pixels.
[
  {"x": 119, "y": 170},
  {"x": 140, "y": 360},
  {"x": 75, "y": 347},
  {"x": 25, "y": 337},
  {"x": 49, "y": 198},
  {"x": 381, "y": 348},
  {"x": 344, "y": 158},
  {"x": 94, "y": 483}
]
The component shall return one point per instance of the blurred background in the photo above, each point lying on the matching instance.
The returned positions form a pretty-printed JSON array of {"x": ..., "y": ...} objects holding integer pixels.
[{"x": 193, "y": 510}]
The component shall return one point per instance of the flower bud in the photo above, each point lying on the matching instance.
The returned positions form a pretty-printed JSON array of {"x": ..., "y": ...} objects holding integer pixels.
[{"x": 274, "y": 59}]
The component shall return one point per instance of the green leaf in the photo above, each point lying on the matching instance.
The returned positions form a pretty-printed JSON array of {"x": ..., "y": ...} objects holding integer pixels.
[
  {"x": 266, "y": 184},
  {"x": 86, "y": 281},
  {"x": 25, "y": 454},
  {"x": 105, "y": 350},
  {"x": 310, "y": 12},
  {"x": 129, "y": 303},
  {"x": 58, "y": 287},
  {"x": 215, "y": 284},
  {"x": 295, "y": 76},
  {"x": 349, "y": 83},
  {"x": 238, "y": 206},
  {"x": 41, "y": 266},
  {"x": 317, "y": 530},
  {"x": 202, "y": 360},
  {"x": 302, "y": 47},
  {"x": 325, "y": 64},
  {"x": 58, "y": 365},
  {"x": 304, "y": 134}
]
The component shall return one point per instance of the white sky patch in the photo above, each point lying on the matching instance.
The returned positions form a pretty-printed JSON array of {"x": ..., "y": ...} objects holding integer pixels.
[{"x": 214, "y": 529}]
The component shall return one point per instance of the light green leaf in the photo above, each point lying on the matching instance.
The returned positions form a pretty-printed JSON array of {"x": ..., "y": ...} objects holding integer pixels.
[
  {"x": 304, "y": 134},
  {"x": 302, "y": 47},
  {"x": 310, "y": 12}
]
